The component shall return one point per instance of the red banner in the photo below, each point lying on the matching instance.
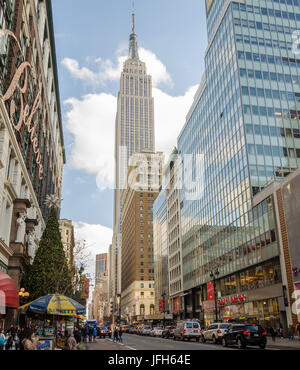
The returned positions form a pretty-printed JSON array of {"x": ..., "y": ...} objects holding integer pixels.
[
  {"x": 87, "y": 288},
  {"x": 161, "y": 305},
  {"x": 210, "y": 291}
]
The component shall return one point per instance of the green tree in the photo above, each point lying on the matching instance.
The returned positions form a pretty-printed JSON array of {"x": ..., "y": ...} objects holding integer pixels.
[{"x": 49, "y": 272}]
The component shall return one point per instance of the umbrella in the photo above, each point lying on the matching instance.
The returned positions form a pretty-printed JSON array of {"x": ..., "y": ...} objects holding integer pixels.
[
  {"x": 54, "y": 304},
  {"x": 8, "y": 291}
]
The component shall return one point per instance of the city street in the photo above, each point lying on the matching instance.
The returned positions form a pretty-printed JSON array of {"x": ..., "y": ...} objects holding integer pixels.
[{"x": 134, "y": 342}]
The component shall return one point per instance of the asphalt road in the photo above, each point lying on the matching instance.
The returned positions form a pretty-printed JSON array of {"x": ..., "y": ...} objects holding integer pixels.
[{"x": 136, "y": 342}]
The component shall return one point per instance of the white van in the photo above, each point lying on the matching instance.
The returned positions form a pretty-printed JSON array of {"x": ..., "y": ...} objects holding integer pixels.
[{"x": 187, "y": 329}]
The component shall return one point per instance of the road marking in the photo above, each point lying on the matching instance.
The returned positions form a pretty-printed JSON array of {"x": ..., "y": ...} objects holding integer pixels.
[{"x": 121, "y": 344}]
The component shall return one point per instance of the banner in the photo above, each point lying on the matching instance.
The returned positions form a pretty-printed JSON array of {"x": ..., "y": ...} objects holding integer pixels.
[
  {"x": 87, "y": 288},
  {"x": 161, "y": 305},
  {"x": 210, "y": 291}
]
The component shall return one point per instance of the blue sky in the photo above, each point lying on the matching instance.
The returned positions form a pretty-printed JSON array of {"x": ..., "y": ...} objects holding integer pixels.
[{"x": 91, "y": 44}]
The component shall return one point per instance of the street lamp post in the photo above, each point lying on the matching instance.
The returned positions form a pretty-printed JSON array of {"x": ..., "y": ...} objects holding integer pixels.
[
  {"x": 23, "y": 300},
  {"x": 214, "y": 275},
  {"x": 163, "y": 297},
  {"x": 118, "y": 304}
]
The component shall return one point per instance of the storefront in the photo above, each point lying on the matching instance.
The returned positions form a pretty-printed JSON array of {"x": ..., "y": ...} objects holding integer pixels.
[
  {"x": 9, "y": 298},
  {"x": 265, "y": 306}
]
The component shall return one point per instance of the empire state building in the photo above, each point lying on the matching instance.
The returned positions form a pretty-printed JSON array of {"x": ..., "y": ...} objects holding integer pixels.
[{"x": 134, "y": 132}]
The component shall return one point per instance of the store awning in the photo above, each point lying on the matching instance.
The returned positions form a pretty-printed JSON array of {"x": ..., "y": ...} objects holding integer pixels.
[{"x": 9, "y": 296}]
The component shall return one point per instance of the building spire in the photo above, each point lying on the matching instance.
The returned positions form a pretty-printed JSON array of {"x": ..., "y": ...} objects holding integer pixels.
[
  {"x": 133, "y": 41},
  {"x": 133, "y": 18}
]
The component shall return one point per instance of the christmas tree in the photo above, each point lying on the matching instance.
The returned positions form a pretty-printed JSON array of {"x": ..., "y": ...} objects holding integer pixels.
[{"x": 49, "y": 273}]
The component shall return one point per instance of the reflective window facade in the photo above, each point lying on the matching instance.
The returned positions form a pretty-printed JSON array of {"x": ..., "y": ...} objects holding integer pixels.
[{"x": 246, "y": 123}]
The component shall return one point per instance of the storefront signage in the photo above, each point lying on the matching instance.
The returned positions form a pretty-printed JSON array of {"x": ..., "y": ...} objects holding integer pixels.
[
  {"x": 231, "y": 300},
  {"x": 26, "y": 113}
]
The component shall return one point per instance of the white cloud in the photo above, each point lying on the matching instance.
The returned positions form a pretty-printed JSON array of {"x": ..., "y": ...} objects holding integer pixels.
[
  {"x": 111, "y": 71},
  {"x": 91, "y": 119},
  {"x": 97, "y": 237}
]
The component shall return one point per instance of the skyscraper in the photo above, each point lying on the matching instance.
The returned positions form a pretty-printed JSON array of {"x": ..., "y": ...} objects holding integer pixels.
[
  {"x": 245, "y": 121},
  {"x": 134, "y": 131}
]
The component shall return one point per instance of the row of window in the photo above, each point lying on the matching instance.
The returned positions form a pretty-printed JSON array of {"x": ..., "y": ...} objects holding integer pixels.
[
  {"x": 273, "y": 151},
  {"x": 266, "y": 11},
  {"x": 264, "y": 26},
  {"x": 271, "y": 112},
  {"x": 272, "y": 131},
  {"x": 259, "y": 41},
  {"x": 264, "y": 75},
  {"x": 270, "y": 94},
  {"x": 271, "y": 59}
]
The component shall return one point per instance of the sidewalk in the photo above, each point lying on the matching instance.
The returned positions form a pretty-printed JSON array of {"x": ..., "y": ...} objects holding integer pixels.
[
  {"x": 284, "y": 343},
  {"x": 106, "y": 345}
]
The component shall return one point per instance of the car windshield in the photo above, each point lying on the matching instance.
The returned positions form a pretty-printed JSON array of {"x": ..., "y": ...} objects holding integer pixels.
[
  {"x": 147, "y": 328},
  {"x": 224, "y": 326},
  {"x": 254, "y": 328},
  {"x": 190, "y": 325}
]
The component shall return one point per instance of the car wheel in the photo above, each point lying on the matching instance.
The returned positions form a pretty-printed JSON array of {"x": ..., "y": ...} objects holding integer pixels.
[
  {"x": 197, "y": 340},
  {"x": 224, "y": 342},
  {"x": 203, "y": 340},
  {"x": 262, "y": 346},
  {"x": 240, "y": 344},
  {"x": 214, "y": 340},
  {"x": 174, "y": 338}
]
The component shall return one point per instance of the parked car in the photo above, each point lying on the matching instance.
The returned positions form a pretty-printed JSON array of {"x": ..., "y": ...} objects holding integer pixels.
[
  {"x": 187, "y": 330},
  {"x": 168, "y": 332},
  {"x": 156, "y": 332},
  {"x": 243, "y": 335},
  {"x": 133, "y": 330},
  {"x": 126, "y": 328},
  {"x": 214, "y": 332},
  {"x": 146, "y": 330}
]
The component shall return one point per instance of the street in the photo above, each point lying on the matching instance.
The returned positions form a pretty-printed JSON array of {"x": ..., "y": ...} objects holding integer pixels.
[{"x": 135, "y": 342}]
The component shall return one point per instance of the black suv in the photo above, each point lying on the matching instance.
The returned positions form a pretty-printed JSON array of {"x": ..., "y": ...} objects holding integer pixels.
[{"x": 244, "y": 335}]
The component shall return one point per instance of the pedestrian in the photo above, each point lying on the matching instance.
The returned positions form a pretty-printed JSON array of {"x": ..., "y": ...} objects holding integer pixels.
[
  {"x": 116, "y": 334},
  {"x": 86, "y": 333},
  {"x": 21, "y": 337},
  {"x": 120, "y": 335},
  {"x": 291, "y": 332},
  {"x": 94, "y": 334},
  {"x": 71, "y": 344},
  {"x": 10, "y": 339},
  {"x": 30, "y": 340},
  {"x": 273, "y": 333},
  {"x": 77, "y": 336},
  {"x": 90, "y": 334},
  {"x": 2, "y": 340}
]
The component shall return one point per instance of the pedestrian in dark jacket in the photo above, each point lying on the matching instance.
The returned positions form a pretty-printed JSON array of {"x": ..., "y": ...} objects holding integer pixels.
[
  {"x": 273, "y": 333},
  {"x": 77, "y": 335},
  {"x": 120, "y": 335},
  {"x": 116, "y": 335}
]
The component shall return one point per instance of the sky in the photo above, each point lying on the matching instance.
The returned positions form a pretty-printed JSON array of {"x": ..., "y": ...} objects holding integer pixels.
[{"x": 92, "y": 38}]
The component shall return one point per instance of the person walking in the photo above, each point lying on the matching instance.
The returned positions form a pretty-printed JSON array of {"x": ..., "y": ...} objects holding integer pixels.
[
  {"x": 116, "y": 334},
  {"x": 2, "y": 340},
  {"x": 273, "y": 333},
  {"x": 121, "y": 335},
  {"x": 77, "y": 336},
  {"x": 29, "y": 342},
  {"x": 291, "y": 332},
  {"x": 71, "y": 344},
  {"x": 94, "y": 334},
  {"x": 90, "y": 334},
  {"x": 11, "y": 340}
]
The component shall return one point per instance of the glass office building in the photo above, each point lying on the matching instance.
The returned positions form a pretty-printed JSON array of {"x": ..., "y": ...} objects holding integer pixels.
[{"x": 246, "y": 123}]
